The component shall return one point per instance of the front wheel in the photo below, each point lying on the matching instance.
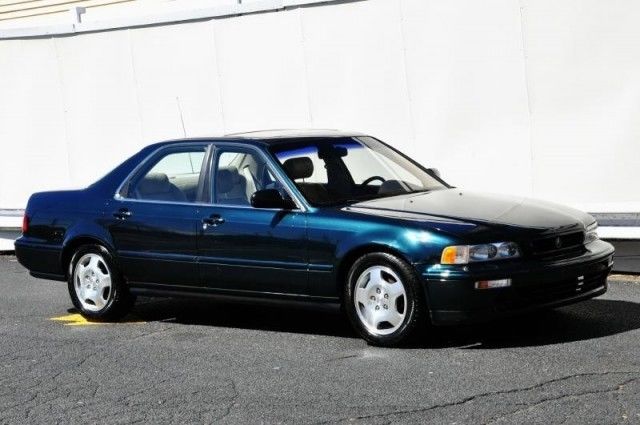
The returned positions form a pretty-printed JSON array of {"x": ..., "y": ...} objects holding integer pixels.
[
  {"x": 384, "y": 299},
  {"x": 95, "y": 286}
]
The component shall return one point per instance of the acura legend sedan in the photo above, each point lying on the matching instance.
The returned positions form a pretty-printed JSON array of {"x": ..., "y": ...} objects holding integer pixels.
[{"x": 340, "y": 219}]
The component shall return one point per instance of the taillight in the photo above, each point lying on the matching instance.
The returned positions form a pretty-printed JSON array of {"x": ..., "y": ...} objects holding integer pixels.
[{"x": 25, "y": 224}]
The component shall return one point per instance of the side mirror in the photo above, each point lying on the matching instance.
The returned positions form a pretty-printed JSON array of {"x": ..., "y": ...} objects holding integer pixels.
[
  {"x": 434, "y": 171},
  {"x": 271, "y": 198}
]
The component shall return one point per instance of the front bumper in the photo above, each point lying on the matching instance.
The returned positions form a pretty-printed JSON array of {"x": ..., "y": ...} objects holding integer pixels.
[{"x": 453, "y": 299}]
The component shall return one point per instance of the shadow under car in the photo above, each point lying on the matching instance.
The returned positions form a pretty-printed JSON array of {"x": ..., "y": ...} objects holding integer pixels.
[{"x": 590, "y": 319}]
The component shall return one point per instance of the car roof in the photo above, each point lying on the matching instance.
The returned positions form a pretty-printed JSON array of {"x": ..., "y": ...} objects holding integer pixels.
[
  {"x": 293, "y": 133},
  {"x": 266, "y": 137}
]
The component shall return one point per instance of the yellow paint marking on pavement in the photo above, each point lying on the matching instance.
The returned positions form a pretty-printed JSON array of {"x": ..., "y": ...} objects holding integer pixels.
[{"x": 74, "y": 320}]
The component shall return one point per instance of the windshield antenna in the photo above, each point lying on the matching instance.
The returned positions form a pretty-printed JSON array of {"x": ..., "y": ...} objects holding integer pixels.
[{"x": 184, "y": 131}]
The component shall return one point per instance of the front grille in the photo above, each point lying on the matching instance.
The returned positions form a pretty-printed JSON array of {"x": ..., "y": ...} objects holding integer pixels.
[
  {"x": 538, "y": 293},
  {"x": 558, "y": 246}
]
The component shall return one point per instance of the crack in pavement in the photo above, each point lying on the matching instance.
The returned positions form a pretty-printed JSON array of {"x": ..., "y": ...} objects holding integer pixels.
[
  {"x": 561, "y": 397},
  {"x": 154, "y": 332},
  {"x": 485, "y": 394},
  {"x": 234, "y": 396}
]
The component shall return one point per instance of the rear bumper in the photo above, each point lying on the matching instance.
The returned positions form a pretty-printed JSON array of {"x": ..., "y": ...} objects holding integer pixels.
[
  {"x": 42, "y": 260},
  {"x": 453, "y": 298}
]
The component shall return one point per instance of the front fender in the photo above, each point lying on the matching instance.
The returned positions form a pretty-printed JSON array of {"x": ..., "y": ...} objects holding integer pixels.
[{"x": 415, "y": 245}]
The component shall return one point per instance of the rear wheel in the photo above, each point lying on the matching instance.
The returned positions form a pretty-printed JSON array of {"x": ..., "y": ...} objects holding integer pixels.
[
  {"x": 95, "y": 286},
  {"x": 384, "y": 299}
]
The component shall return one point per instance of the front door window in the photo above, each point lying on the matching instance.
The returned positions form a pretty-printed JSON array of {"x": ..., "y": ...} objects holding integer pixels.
[{"x": 238, "y": 175}]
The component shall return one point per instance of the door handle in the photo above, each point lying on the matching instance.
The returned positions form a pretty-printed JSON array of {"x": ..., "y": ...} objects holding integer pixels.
[
  {"x": 122, "y": 214},
  {"x": 214, "y": 220}
]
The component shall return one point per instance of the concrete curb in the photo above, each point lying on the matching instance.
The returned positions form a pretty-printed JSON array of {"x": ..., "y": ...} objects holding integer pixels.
[
  {"x": 7, "y": 237},
  {"x": 627, "y": 258},
  {"x": 10, "y": 228}
]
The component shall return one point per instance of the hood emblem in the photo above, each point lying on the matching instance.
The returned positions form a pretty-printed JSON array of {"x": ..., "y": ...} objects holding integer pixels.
[{"x": 558, "y": 242}]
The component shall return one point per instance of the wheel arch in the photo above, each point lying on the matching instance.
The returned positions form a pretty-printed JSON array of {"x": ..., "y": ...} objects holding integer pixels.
[
  {"x": 351, "y": 256},
  {"x": 72, "y": 244}
]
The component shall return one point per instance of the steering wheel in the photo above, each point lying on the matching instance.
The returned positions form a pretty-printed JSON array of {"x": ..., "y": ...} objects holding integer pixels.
[{"x": 372, "y": 178}]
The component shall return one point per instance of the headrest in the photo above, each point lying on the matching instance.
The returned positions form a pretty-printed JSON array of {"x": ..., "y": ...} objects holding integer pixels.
[
  {"x": 227, "y": 178},
  {"x": 154, "y": 183},
  {"x": 298, "y": 168}
]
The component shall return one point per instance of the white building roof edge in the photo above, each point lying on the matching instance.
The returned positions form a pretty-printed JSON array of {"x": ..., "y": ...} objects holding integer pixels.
[{"x": 159, "y": 18}]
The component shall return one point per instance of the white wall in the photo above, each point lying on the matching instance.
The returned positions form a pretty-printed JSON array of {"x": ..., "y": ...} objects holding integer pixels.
[
  {"x": 583, "y": 62},
  {"x": 537, "y": 98}
]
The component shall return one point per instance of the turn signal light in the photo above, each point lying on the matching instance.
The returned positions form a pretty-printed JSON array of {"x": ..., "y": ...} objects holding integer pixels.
[
  {"x": 455, "y": 255},
  {"x": 464, "y": 254}
]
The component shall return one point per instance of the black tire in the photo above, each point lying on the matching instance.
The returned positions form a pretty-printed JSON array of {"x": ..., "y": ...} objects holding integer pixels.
[
  {"x": 415, "y": 308},
  {"x": 119, "y": 299}
]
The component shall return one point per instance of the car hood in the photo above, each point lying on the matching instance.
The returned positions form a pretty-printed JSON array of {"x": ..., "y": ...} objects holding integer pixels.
[{"x": 479, "y": 208}]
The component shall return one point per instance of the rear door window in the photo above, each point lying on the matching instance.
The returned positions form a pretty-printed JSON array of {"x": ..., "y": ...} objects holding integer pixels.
[{"x": 174, "y": 177}]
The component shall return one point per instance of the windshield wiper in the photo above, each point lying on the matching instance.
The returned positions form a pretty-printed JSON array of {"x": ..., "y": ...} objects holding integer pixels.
[{"x": 350, "y": 201}]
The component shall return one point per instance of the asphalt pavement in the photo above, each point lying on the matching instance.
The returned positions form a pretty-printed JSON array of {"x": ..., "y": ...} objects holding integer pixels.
[{"x": 182, "y": 361}]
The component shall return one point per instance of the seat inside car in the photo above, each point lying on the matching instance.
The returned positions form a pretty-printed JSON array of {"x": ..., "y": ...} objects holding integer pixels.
[
  {"x": 231, "y": 187},
  {"x": 302, "y": 168},
  {"x": 156, "y": 186}
]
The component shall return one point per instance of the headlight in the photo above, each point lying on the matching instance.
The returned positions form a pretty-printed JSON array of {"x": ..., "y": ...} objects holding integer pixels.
[
  {"x": 463, "y": 254},
  {"x": 591, "y": 233}
]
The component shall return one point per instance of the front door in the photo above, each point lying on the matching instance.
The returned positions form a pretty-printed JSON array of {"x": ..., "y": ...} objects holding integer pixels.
[
  {"x": 154, "y": 221},
  {"x": 243, "y": 248}
]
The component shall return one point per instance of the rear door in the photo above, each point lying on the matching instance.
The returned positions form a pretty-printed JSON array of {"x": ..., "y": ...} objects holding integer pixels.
[
  {"x": 155, "y": 218},
  {"x": 244, "y": 248}
]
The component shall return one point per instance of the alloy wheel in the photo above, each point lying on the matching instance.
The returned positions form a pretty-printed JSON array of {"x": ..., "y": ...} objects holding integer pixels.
[
  {"x": 92, "y": 282},
  {"x": 380, "y": 300}
]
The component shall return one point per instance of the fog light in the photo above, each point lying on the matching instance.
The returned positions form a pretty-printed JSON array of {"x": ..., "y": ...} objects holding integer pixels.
[{"x": 490, "y": 284}]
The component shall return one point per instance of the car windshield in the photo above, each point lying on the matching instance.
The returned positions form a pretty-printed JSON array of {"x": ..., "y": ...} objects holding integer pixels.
[{"x": 335, "y": 171}]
